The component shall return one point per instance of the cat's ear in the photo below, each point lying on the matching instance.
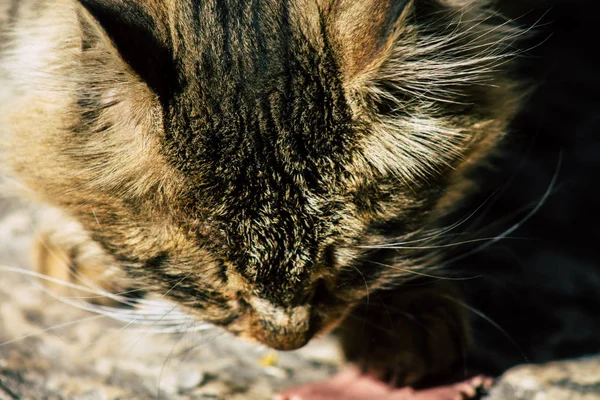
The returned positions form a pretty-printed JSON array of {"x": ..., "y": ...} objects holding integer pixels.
[
  {"x": 365, "y": 29},
  {"x": 132, "y": 30}
]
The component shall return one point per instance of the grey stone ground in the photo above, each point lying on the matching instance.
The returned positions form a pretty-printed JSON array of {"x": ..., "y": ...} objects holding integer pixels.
[
  {"x": 49, "y": 350},
  {"x": 568, "y": 380}
]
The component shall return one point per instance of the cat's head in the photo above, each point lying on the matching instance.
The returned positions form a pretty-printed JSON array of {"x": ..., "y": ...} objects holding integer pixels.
[{"x": 238, "y": 156}]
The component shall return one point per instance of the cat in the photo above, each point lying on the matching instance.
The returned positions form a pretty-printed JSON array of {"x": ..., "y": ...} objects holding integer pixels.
[{"x": 277, "y": 168}]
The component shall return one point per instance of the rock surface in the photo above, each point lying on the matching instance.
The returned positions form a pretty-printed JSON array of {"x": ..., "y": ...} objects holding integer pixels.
[{"x": 567, "y": 380}]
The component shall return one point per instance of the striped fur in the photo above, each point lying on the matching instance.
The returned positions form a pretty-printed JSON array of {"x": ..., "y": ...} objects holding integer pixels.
[{"x": 240, "y": 156}]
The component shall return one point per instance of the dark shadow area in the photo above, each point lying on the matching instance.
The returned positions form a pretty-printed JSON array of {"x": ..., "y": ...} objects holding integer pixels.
[{"x": 539, "y": 288}]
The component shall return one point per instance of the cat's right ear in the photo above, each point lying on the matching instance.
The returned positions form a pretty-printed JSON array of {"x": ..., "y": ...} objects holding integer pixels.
[
  {"x": 132, "y": 30},
  {"x": 365, "y": 29}
]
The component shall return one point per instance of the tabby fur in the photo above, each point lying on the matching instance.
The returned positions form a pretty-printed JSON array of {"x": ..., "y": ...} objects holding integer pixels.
[{"x": 244, "y": 157}]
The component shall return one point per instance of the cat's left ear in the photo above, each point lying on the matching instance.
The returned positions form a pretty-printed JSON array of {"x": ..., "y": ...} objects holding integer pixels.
[{"x": 133, "y": 29}]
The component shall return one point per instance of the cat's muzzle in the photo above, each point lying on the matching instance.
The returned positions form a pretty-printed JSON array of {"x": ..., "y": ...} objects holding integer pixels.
[{"x": 281, "y": 328}]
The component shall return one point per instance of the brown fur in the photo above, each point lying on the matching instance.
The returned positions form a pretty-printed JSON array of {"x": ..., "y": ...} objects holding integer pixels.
[{"x": 269, "y": 250}]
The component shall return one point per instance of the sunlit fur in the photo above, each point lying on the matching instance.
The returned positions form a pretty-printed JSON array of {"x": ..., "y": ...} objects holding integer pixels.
[{"x": 248, "y": 160}]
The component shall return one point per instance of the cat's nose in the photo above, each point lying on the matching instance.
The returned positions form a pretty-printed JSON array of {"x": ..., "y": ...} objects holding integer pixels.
[{"x": 281, "y": 328}]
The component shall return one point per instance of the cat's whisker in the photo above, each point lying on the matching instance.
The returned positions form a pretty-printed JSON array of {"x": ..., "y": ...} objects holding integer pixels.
[
  {"x": 168, "y": 314},
  {"x": 431, "y": 237},
  {"x": 379, "y": 327},
  {"x": 164, "y": 364},
  {"x": 146, "y": 313},
  {"x": 176, "y": 284},
  {"x": 184, "y": 328},
  {"x": 389, "y": 330},
  {"x": 137, "y": 316},
  {"x": 434, "y": 260},
  {"x": 24, "y": 271},
  {"x": 517, "y": 225},
  {"x": 364, "y": 280},
  {"x": 148, "y": 330},
  {"x": 419, "y": 272},
  {"x": 124, "y": 295},
  {"x": 442, "y": 246},
  {"x": 208, "y": 340},
  {"x": 52, "y": 328},
  {"x": 485, "y": 317},
  {"x": 436, "y": 232},
  {"x": 428, "y": 234},
  {"x": 501, "y": 221}
]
